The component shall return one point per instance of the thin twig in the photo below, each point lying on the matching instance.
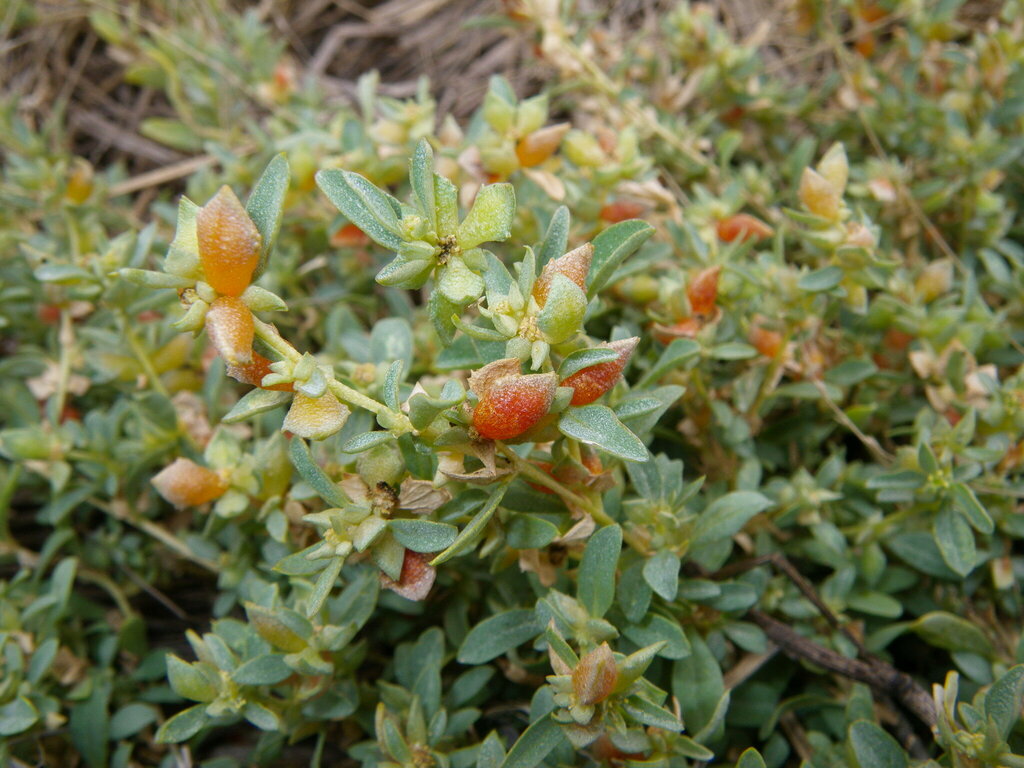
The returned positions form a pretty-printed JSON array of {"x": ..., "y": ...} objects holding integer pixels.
[{"x": 880, "y": 675}]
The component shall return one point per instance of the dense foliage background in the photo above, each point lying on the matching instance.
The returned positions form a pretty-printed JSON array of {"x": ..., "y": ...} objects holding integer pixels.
[{"x": 789, "y": 535}]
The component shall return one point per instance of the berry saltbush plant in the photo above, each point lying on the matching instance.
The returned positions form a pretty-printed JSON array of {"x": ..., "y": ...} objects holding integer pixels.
[{"x": 669, "y": 416}]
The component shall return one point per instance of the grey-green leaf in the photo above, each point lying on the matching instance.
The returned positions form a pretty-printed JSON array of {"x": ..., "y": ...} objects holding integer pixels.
[
  {"x": 498, "y": 634},
  {"x": 661, "y": 572},
  {"x": 265, "y": 206},
  {"x": 597, "y": 425},
  {"x": 255, "y": 402},
  {"x": 423, "y": 535},
  {"x": 362, "y": 203},
  {"x": 872, "y": 747},
  {"x": 612, "y": 247},
  {"x": 726, "y": 516},
  {"x": 596, "y": 579},
  {"x": 535, "y": 743}
]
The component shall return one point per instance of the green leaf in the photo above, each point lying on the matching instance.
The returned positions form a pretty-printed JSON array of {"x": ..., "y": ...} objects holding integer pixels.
[
  {"x": 597, "y": 425},
  {"x": 648, "y": 713},
  {"x": 151, "y": 279},
  {"x": 659, "y": 629},
  {"x": 955, "y": 540},
  {"x": 421, "y": 177},
  {"x": 676, "y": 354},
  {"x": 475, "y": 529},
  {"x": 750, "y": 758},
  {"x": 726, "y": 516},
  {"x": 585, "y": 358},
  {"x": 392, "y": 380},
  {"x": 132, "y": 718},
  {"x": 556, "y": 239},
  {"x": 535, "y": 743},
  {"x": 562, "y": 315},
  {"x": 281, "y": 627},
  {"x": 490, "y": 218},
  {"x": 968, "y": 503},
  {"x": 596, "y": 577},
  {"x": 17, "y": 715},
  {"x": 697, "y": 683},
  {"x": 265, "y": 206},
  {"x": 733, "y": 350},
  {"x": 89, "y": 725},
  {"x": 390, "y": 340},
  {"x": 944, "y": 630},
  {"x": 188, "y": 680},
  {"x": 423, "y": 535},
  {"x": 62, "y": 274},
  {"x": 661, "y": 572},
  {"x": 366, "y": 441},
  {"x": 255, "y": 402},
  {"x": 324, "y": 584},
  {"x": 369, "y": 208},
  {"x": 182, "y": 726},
  {"x": 268, "y": 669},
  {"x": 498, "y": 634},
  {"x": 1003, "y": 700},
  {"x": 260, "y": 716},
  {"x": 326, "y": 488},
  {"x": 850, "y": 372},
  {"x": 872, "y": 747},
  {"x": 529, "y": 532},
  {"x": 634, "y": 593},
  {"x": 824, "y": 279},
  {"x": 612, "y": 247},
  {"x": 171, "y": 133}
]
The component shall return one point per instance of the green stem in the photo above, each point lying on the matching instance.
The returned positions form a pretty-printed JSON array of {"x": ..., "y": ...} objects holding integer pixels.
[
  {"x": 66, "y": 338},
  {"x": 143, "y": 357},
  {"x": 6, "y": 494},
  {"x": 394, "y": 421},
  {"x": 540, "y": 477},
  {"x": 158, "y": 532},
  {"x": 28, "y": 558}
]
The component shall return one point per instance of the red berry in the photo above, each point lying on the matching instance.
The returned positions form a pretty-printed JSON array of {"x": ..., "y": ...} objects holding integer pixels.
[{"x": 590, "y": 383}]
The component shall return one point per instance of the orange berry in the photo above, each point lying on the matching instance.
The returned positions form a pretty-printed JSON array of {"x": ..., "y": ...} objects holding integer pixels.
[
  {"x": 744, "y": 227},
  {"x": 230, "y": 325},
  {"x": 590, "y": 383},
  {"x": 685, "y": 328},
  {"x": 513, "y": 404},
  {"x": 229, "y": 243},
  {"x": 765, "y": 341},
  {"x": 703, "y": 291},
  {"x": 253, "y": 373},
  {"x": 575, "y": 265},
  {"x": 416, "y": 579},
  {"x": 349, "y": 236},
  {"x": 534, "y": 148},
  {"x": 547, "y": 466},
  {"x": 620, "y": 210},
  {"x": 186, "y": 484}
]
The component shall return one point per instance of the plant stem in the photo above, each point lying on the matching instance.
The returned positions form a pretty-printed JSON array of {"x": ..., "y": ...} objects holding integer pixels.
[
  {"x": 158, "y": 532},
  {"x": 395, "y": 421},
  {"x": 540, "y": 477},
  {"x": 143, "y": 357}
]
